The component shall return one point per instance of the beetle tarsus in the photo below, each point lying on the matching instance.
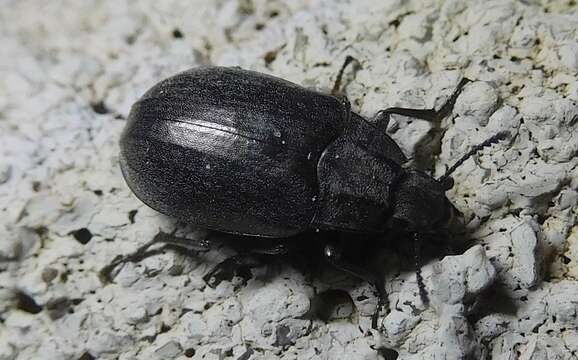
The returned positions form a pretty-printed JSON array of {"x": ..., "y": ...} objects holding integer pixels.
[
  {"x": 448, "y": 107},
  {"x": 337, "y": 85}
]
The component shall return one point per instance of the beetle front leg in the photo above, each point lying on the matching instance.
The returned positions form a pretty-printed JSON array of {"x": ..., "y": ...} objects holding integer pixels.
[
  {"x": 333, "y": 253},
  {"x": 336, "y": 91},
  {"x": 381, "y": 119},
  {"x": 417, "y": 240}
]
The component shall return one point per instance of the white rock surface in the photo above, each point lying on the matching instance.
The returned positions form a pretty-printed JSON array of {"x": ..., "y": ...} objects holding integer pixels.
[{"x": 70, "y": 71}]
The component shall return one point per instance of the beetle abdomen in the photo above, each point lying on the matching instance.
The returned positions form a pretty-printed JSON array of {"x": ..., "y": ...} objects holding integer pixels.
[{"x": 230, "y": 150}]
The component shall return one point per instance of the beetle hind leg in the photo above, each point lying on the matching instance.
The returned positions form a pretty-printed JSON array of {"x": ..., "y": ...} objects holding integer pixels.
[{"x": 166, "y": 239}]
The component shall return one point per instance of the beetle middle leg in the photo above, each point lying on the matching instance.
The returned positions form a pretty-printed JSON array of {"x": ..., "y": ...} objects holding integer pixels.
[
  {"x": 382, "y": 117},
  {"x": 253, "y": 257},
  {"x": 333, "y": 253}
]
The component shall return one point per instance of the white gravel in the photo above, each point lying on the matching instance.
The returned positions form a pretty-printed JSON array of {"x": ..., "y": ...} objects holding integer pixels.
[{"x": 70, "y": 71}]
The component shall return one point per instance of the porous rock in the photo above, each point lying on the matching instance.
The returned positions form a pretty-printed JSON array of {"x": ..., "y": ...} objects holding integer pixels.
[{"x": 70, "y": 71}]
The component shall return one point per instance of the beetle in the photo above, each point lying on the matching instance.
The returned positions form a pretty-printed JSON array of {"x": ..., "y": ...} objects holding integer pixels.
[{"x": 246, "y": 153}]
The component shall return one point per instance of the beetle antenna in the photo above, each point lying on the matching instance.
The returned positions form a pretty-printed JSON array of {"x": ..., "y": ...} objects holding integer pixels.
[
  {"x": 337, "y": 84},
  {"x": 445, "y": 179}
]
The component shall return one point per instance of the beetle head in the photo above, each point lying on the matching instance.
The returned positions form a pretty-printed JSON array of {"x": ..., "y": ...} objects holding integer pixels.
[{"x": 420, "y": 203}]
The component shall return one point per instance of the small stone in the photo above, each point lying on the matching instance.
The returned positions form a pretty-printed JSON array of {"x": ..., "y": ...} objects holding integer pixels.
[
  {"x": 136, "y": 314},
  {"x": 18, "y": 243},
  {"x": 7, "y": 351},
  {"x": 562, "y": 303},
  {"x": 195, "y": 324},
  {"x": 170, "y": 350},
  {"x": 572, "y": 252},
  {"x": 477, "y": 102},
  {"x": 460, "y": 278},
  {"x": 5, "y": 172},
  {"x": 525, "y": 250},
  {"x": 49, "y": 274},
  {"x": 397, "y": 326},
  {"x": 492, "y": 326},
  {"x": 568, "y": 54}
]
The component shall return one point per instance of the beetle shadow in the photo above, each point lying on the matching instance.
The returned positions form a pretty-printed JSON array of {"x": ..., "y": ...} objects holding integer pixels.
[
  {"x": 494, "y": 300},
  {"x": 305, "y": 255},
  {"x": 302, "y": 252},
  {"x": 380, "y": 254}
]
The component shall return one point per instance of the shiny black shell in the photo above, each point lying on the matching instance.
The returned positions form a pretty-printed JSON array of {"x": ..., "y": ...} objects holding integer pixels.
[{"x": 247, "y": 153}]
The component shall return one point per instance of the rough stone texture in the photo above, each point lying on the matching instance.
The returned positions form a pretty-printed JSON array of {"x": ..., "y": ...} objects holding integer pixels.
[{"x": 71, "y": 69}]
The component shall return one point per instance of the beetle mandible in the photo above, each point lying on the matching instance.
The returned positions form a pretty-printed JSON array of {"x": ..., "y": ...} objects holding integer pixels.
[{"x": 246, "y": 153}]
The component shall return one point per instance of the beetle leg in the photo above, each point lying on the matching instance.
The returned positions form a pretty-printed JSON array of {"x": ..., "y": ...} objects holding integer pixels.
[
  {"x": 249, "y": 259},
  {"x": 228, "y": 268},
  {"x": 276, "y": 249},
  {"x": 337, "y": 85},
  {"x": 419, "y": 278},
  {"x": 381, "y": 119},
  {"x": 142, "y": 252},
  {"x": 333, "y": 253}
]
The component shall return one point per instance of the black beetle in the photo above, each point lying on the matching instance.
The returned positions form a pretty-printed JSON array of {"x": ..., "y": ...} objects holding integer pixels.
[{"x": 246, "y": 153}]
